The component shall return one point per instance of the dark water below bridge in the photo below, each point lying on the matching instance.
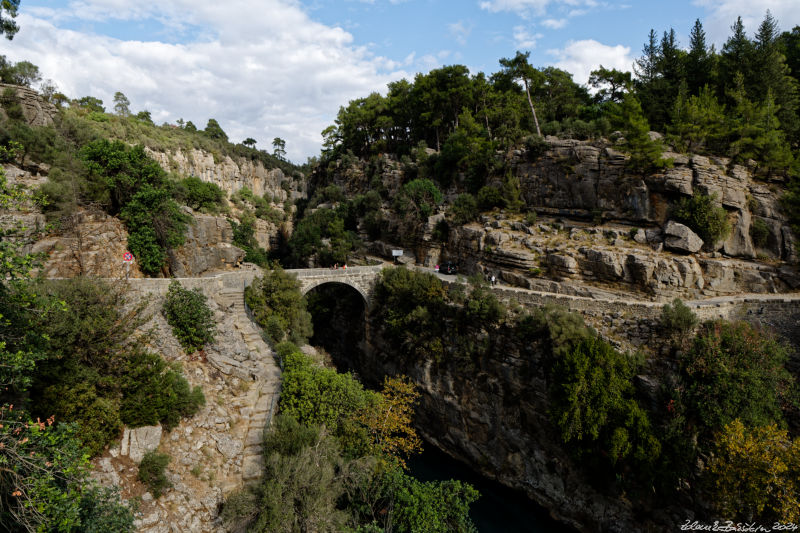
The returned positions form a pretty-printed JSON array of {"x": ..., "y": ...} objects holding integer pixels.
[{"x": 499, "y": 509}]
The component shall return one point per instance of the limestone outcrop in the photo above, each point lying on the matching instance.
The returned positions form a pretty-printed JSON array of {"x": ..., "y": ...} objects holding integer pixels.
[
  {"x": 231, "y": 176},
  {"x": 35, "y": 110},
  {"x": 208, "y": 247}
]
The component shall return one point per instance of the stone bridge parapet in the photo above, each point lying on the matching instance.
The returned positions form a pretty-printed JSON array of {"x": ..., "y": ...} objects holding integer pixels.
[{"x": 361, "y": 278}]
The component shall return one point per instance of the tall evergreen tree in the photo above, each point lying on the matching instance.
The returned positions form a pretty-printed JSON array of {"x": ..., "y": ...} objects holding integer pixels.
[
  {"x": 520, "y": 68},
  {"x": 737, "y": 57},
  {"x": 699, "y": 62},
  {"x": 773, "y": 75}
]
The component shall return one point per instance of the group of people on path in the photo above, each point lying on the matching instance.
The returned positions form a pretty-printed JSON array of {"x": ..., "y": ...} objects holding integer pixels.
[{"x": 336, "y": 266}]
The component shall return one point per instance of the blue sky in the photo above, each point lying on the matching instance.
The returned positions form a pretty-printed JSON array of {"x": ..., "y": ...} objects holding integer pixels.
[{"x": 282, "y": 68}]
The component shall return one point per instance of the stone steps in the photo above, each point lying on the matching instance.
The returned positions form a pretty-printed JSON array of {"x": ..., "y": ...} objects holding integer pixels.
[{"x": 267, "y": 373}]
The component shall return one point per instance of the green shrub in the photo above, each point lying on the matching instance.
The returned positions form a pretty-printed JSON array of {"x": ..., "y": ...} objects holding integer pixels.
[
  {"x": 464, "y": 209},
  {"x": 759, "y": 231},
  {"x": 191, "y": 319},
  {"x": 151, "y": 472},
  {"x": 277, "y": 304},
  {"x": 154, "y": 391},
  {"x": 418, "y": 198},
  {"x": 704, "y": 217},
  {"x": 530, "y": 218},
  {"x": 314, "y": 395},
  {"x": 536, "y": 146},
  {"x": 489, "y": 198},
  {"x": 733, "y": 370},
  {"x": 47, "y": 468},
  {"x": 199, "y": 195},
  {"x": 678, "y": 319},
  {"x": 593, "y": 404},
  {"x": 97, "y": 416}
]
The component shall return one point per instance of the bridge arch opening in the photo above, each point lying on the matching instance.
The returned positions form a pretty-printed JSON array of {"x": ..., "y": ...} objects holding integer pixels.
[{"x": 338, "y": 312}]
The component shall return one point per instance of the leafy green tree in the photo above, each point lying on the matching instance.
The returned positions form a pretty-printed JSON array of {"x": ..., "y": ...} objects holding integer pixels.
[
  {"x": 703, "y": 214},
  {"x": 645, "y": 153},
  {"x": 23, "y": 73},
  {"x": 8, "y": 27},
  {"x": 135, "y": 187},
  {"x": 418, "y": 198},
  {"x": 464, "y": 209},
  {"x": 191, "y": 319},
  {"x": 154, "y": 391},
  {"x": 318, "y": 396},
  {"x": 755, "y": 473},
  {"x": 594, "y": 407},
  {"x": 519, "y": 68},
  {"x": 612, "y": 84},
  {"x": 199, "y": 194},
  {"x": 735, "y": 371},
  {"x": 249, "y": 142},
  {"x": 45, "y": 484},
  {"x": 91, "y": 104},
  {"x": 145, "y": 116},
  {"x": 279, "y": 307},
  {"x": 737, "y": 57},
  {"x": 700, "y": 122},
  {"x": 214, "y": 131},
  {"x": 122, "y": 106}
]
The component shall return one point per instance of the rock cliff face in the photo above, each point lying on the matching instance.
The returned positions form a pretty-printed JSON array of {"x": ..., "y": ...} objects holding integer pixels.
[
  {"x": 492, "y": 414},
  {"x": 601, "y": 225},
  {"x": 35, "y": 110},
  {"x": 231, "y": 176},
  {"x": 208, "y": 247}
]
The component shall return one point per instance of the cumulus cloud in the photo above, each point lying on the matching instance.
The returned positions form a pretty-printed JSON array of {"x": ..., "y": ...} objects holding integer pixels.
[
  {"x": 722, "y": 14},
  {"x": 263, "y": 69},
  {"x": 524, "y": 39},
  {"x": 581, "y": 57}
]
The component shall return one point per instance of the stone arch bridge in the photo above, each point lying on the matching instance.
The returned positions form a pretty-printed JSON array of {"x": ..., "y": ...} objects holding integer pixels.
[{"x": 362, "y": 278}]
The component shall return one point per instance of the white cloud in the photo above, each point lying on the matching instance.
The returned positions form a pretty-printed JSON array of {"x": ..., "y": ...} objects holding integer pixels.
[
  {"x": 581, "y": 57},
  {"x": 460, "y": 31},
  {"x": 523, "y": 39},
  {"x": 263, "y": 69},
  {"x": 554, "y": 24},
  {"x": 516, "y": 6},
  {"x": 722, "y": 14},
  {"x": 526, "y": 8}
]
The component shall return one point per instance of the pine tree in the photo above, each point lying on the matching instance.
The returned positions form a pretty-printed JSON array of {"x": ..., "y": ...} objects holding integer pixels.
[
  {"x": 737, "y": 57},
  {"x": 773, "y": 75},
  {"x": 699, "y": 62}
]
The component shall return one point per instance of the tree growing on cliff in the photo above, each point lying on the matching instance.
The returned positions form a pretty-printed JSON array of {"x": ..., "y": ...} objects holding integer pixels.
[
  {"x": 214, "y": 130},
  {"x": 755, "y": 473},
  {"x": 279, "y": 148},
  {"x": 734, "y": 370},
  {"x": 519, "y": 69}
]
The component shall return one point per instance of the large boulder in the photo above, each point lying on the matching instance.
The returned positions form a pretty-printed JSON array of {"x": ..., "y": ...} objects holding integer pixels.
[
  {"x": 137, "y": 442},
  {"x": 681, "y": 239}
]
